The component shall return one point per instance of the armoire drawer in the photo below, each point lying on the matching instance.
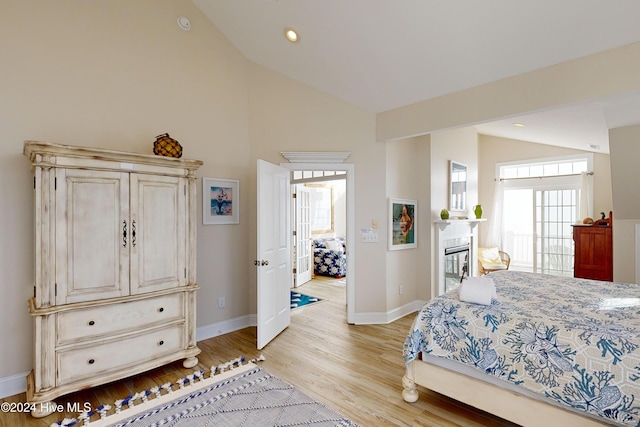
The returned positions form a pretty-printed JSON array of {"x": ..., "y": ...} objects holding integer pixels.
[
  {"x": 78, "y": 325},
  {"x": 86, "y": 361}
]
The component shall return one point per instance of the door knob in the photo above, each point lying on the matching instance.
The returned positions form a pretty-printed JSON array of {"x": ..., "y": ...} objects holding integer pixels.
[{"x": 264, "y": 262}]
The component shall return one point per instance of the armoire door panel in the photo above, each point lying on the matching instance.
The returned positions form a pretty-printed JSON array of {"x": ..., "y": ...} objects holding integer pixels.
[
  {"x": 91, "y": 241},
  {"x": 158, "y": 215}
]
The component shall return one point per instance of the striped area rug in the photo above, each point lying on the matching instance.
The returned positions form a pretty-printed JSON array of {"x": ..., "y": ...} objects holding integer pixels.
[{"x": 243, "y": 395}]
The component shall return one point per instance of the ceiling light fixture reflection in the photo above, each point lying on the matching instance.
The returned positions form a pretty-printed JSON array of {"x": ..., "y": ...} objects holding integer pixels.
[
  {"x": 520, "y": 125},
  {"x": 291, "y": 35}
]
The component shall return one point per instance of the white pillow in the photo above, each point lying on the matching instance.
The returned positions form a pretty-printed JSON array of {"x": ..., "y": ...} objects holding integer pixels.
[{"x": 333, "y": 245}]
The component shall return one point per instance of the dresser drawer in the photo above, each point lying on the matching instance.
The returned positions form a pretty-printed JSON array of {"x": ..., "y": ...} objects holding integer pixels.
[
  {"x": 78, "y": 325},
  {"x": 86, "y": 361}
]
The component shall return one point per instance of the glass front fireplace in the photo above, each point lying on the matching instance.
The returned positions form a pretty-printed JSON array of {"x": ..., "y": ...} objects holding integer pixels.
[{"x": 456, "y": 265}]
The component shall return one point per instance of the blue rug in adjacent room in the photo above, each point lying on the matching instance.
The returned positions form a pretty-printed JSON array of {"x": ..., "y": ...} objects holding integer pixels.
[{"x": 300, "y": 300}]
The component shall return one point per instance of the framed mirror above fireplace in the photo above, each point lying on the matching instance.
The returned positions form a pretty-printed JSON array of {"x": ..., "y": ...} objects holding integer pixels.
[{"x": 457, "y": 186}]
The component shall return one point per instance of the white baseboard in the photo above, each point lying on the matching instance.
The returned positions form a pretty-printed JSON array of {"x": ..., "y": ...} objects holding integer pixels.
[
  {"x": 380, "y": 318},
  {"x": 12, "y": 385},
  {"x": 17, "y": 384},
  {"x": 224, "y": 327}
]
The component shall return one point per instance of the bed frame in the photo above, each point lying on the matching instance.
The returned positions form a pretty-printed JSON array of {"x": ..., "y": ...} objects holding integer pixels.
[{"x": 506, "y": 404}]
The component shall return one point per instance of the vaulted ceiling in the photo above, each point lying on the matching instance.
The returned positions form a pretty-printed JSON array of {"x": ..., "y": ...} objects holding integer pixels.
[{"x": 385, "y": 54}]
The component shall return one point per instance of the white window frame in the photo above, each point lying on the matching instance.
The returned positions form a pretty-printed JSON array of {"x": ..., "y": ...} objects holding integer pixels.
[{"x": 544, "y": 182}]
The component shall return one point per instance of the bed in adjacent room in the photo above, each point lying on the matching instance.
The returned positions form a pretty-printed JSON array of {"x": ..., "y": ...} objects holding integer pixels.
[{"x": 547, "y": 351}]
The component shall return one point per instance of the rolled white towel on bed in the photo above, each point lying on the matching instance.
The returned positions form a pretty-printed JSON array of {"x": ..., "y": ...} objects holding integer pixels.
[{"x": 477, "y": 290}]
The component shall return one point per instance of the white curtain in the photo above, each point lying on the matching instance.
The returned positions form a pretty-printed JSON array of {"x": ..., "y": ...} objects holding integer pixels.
[
  {"x": 586, "y": 196},
  {"x": 495, "y": 228}
]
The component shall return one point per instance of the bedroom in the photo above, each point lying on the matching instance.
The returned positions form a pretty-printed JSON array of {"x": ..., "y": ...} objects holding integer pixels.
[{"x": 74, "y": 79}]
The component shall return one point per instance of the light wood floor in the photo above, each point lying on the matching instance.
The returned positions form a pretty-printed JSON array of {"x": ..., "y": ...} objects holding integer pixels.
[{"x": 354, "y": 369}]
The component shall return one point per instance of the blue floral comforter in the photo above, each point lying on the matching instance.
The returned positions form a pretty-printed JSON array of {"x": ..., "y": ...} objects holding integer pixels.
[{"x": 575, "y": 341}]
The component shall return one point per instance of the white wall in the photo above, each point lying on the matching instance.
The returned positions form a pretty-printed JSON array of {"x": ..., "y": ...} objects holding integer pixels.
[{"x": 339, "y": 207}]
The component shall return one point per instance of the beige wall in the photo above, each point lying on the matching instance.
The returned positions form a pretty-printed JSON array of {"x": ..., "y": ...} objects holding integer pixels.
[
  {"x": 114, "y": 74},
  {"x": 424, "y": 177},
  {"x": 402, "y": 163},
  {"x": 625, "y": 154},
  {"x": 459, "y": 145},
  {"x": 607, "y": 73},
  {"x": 495, "y": 149},
  {"x": 289, "y": 116}
]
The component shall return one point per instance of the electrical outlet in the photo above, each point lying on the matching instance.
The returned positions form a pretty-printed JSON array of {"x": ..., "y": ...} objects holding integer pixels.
[
  {"x": 221, "y": 302},
  {"x": 401, "y": 289}
]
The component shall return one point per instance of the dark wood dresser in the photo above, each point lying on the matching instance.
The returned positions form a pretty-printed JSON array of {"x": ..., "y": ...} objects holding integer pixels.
[{"x": 594, "y": 250}]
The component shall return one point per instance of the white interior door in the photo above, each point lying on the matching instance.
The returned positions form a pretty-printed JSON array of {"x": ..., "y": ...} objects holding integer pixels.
[
  {"x": 274, "y": 251},
  {"x": 304, "y": 253}
]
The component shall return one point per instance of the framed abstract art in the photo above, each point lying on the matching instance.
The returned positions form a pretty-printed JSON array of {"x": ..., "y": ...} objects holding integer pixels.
[{"x": 220, "y": 201}]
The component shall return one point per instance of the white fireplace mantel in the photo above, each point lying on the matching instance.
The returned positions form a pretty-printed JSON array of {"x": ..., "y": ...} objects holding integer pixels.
[
  {"x": 444, "y": 223},
  {"x": 449, "y": 229}
]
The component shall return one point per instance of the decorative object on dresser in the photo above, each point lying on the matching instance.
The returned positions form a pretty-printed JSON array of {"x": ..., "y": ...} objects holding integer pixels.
[
  {"x": 594, "y": 249},
  {"x": 167, "y": 146},
  {"x": 115, "y": 266}
]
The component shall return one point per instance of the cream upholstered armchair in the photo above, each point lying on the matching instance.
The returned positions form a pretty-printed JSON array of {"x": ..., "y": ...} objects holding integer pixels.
[{"x": 492, "y": 259}]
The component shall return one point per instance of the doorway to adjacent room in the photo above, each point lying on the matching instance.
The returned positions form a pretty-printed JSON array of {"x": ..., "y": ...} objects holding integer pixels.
[{"x": 318, "y": 176}]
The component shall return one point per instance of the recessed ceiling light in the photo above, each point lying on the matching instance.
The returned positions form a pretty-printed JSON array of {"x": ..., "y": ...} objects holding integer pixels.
[
  {"x": 291, "y": 35},
  {"x": 184, "y": 23},
  {"x": 520, "y": 125}
]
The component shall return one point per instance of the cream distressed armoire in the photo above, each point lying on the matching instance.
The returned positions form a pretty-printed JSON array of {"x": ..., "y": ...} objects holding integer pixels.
[{"x": 115, "y": 267}]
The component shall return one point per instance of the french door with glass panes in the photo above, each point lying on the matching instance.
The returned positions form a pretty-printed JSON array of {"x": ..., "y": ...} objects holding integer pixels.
[
  {"x": 542, "y": 199},
  {"x": 537, "y": 229}
]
